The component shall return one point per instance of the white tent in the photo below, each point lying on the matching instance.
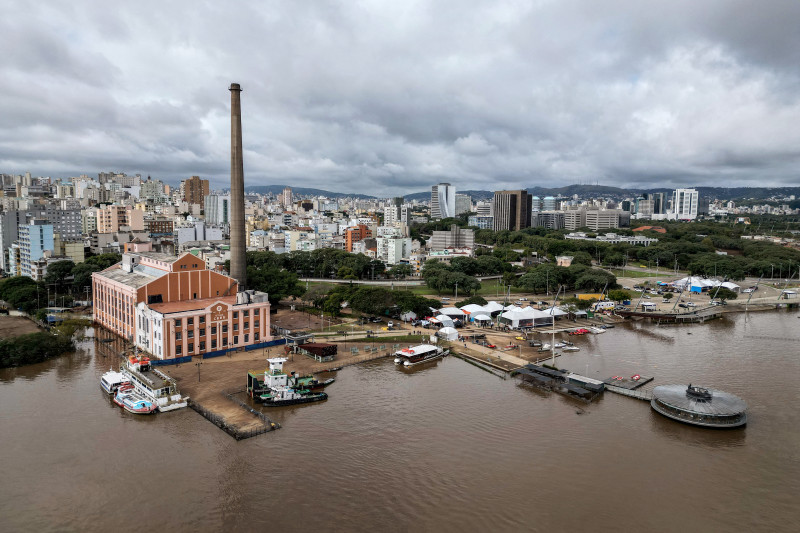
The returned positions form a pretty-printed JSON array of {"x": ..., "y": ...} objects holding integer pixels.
[
  {"x": 493, "y": 308},
  {"x": 471, "y": 309},
  {"x": 445, "y": 320},
  {"x": 452, "y": 312},
  {"x": 730, "y": 285},
  {"x": 555, "y": 311},
  {"x": 448, "y": 334},
  {"x": 518, "y": 318},
  {"x": 481, "y": 318},
  {"x": 408, "y": 316}
]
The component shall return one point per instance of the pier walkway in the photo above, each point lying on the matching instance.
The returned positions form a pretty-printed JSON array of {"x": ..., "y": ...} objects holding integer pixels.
[{"x": 645, "y": 395}]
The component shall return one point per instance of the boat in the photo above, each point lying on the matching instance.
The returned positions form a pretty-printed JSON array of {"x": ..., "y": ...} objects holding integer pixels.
[
  {"x": 133, "y": 402},
  {"x": 287, "y": 389},
  {"x": 416, "y": 355},
  {"x": 313, "y": 384},
  {"x": 596, "y": 330},
  {"x": 545, "y": 347},
  {"x": 111, "y": 380},
  {"x": 572, "y": 348},
  {"x": 154, "y": 385}
]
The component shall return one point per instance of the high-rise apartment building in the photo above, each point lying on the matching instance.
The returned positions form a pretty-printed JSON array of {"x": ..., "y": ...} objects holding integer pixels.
[
  {"x": 194, "y": 190},
  {"x": 218, "y": 210},
  {"x": 463, "y": 204},
  {"x": 443, "y": 201},
  {"x": 685, "y": 203},
  {"x": 512, "y": 210},
  {"x": 34, "y": 239},
  {"x": 286, "y": 198}
]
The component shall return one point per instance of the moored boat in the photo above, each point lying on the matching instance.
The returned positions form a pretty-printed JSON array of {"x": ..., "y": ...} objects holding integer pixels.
[
  {"x": 418, "y": 354},
  {"x": 289, "y": 389},
  {"x": 133, "y": 402},
  {"x": 154, "y": 385},
  {"x": 111, "y": 380}
]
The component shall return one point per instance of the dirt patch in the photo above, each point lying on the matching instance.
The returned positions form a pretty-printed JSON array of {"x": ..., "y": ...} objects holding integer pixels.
[{"x": 14, "y": 326}]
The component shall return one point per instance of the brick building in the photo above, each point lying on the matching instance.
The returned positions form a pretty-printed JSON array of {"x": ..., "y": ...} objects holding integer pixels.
[{"x": 174, "y": 306}]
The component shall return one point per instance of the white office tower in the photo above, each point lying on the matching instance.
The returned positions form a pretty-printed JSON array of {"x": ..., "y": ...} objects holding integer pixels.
[
  {"x": 443, "y": 201},
  {"x": 684, "y": 204}
]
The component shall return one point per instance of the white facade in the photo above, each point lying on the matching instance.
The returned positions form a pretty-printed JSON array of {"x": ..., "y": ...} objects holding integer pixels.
[
  {"x": 391, "y": 250},
  {"x": 443, "y": 201},
  {"x": 685, "y": 203},
  {"x": 218, "y": 210}
]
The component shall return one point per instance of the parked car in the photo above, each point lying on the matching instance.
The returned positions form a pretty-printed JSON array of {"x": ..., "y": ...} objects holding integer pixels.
[
  {"x": 683, "y": 305},
  {"x": 665, "y": 301},
  {"x": 750, "y": 289},
  {"x": 523, "y": 299},
  {"x": 691, "y": 304},
  {"x": 390, "y": 324},
  {"x": 445, "y": 299}
]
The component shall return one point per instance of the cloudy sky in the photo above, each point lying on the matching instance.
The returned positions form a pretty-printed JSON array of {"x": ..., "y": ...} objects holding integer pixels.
[{"x": 388, "y": 97}]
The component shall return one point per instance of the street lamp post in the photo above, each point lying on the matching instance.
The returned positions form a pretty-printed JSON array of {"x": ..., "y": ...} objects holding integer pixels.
[
  {"x": 456, "y": 297},
  {"x": 197, "y": 364}
]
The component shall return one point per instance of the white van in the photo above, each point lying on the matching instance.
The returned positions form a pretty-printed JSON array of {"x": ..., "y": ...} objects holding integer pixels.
[{"x": 603, "y": 306}]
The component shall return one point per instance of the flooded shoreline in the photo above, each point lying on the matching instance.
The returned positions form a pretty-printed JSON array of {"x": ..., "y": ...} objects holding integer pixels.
[{"x": 477, "y": 452}]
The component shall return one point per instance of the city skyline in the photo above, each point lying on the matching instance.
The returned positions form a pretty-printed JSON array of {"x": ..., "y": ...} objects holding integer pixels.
[{"x": 392, "y": 99}]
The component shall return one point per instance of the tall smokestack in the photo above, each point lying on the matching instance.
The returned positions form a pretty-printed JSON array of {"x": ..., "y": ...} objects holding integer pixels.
[{"x": 238, "y": 250}]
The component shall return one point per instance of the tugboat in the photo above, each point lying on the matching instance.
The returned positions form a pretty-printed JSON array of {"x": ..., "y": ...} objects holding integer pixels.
[
  {"x": 283, "y": 389},
  {"x": 418, "y": 354}
]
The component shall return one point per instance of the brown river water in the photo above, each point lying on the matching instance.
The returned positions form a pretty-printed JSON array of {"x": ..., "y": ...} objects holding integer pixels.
[{"x": 448, "y": 447}]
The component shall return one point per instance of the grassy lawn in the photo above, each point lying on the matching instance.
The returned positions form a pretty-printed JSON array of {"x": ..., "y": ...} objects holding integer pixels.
[{"x": 639, "y": 274}]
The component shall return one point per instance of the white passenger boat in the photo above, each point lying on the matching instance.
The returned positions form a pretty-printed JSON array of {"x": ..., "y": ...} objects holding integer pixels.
[
  {"x": 418, "y": 354},
  {"x": 570, "y": 348},
  {"x": 111, "y": 380},
  {"x": 153, "y": 384},
  {"x": 596, "y": 330}
]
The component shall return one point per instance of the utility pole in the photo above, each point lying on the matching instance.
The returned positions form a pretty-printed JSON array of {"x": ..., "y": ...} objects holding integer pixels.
[{"x": 197, "y": 364}]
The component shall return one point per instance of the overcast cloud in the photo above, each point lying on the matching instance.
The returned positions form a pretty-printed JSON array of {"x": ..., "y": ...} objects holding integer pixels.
[{"x": 388, "y": 97}]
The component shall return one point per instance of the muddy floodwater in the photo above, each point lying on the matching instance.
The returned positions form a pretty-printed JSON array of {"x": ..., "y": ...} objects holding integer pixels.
[{"x": 448, "y": 447}]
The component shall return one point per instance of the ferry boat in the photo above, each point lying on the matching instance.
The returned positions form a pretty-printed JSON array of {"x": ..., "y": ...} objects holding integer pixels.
[
  {"x": 111, "y": 380},
  {"x": 418, "y": 354},
  {"x": 133, "y": 402},
  {"x": 154, "y": 385},
  {"x": 287, "y": 389}
]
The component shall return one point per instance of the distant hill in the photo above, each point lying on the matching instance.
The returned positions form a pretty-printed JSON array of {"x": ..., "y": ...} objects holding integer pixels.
[{"x": 301, "y": 191}]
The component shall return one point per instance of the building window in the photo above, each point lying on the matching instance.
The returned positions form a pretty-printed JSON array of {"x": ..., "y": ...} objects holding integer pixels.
[
  {"x": 246, "y": 313},
  {"x": 236, "y": 326},
  {"x": 246, "y": 338},
  {"x": 224, "y": 328},
  {"x": 202, "y": 332},
  {"x": 202, "y": 320},
  {"x": 178, "y": 335},
  {"x": 236, "y": 314},
  {"x": 255, "y": 324},
  {"x": 236, "y": 339},
  {"x": 202, "y": 346},
  {"x": 177, "y": 322},
  {"x": 224, "y": 341},
  {"x": 255, "y": 312},
  {"x": 178, "y": 350},
  {"x": 213, "y": 343},
  {"x": 213, "y": 330},
  {"x": 255, "y": 337},
  {"x": 190, "y": 321},
  {"x": 190, "y": 334},
  {"x": 191, "y": 347}
]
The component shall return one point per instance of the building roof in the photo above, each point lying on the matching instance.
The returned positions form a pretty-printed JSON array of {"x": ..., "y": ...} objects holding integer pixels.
[
  {"x": 191, "y": 305},
  {"x": 136, "y": 279}
]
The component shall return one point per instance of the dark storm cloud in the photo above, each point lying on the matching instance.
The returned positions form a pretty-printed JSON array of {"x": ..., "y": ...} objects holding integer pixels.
[{"x": 390, "y": 97}]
